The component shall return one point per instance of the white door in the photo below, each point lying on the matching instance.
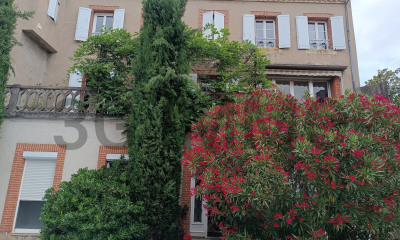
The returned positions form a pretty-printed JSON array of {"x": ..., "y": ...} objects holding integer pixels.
[{"x": 198, "y": 218}]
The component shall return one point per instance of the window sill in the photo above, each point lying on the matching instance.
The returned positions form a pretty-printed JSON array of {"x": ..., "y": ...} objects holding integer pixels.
[
  {"x": 321, "y": 52},
  {"x": 270, "y": 50}
]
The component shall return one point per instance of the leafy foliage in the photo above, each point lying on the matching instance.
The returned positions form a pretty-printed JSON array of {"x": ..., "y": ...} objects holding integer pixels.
[
  {"x": 95, "y": 204},
  {"x": 240, "y": 65},
  {"x": 274, "y": 168},
  {"x": 106, "y": 61},
  {"x": 392, "y": 79},
  {"x": 8, "y": 19}
]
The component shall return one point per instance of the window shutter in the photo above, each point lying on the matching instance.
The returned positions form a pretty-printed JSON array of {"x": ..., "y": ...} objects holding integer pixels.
[
  {"x": 119, "y": 15},
  {"x": 284, "y": 31},
  {"x": 75, "y": 79},
  {"x": 218, "y": 22},
  {"x": 207, "y": 18},
  {"x": 338, "y": 36},
  {"x": 38, "y": 177},
  {"x": 303, "y": 40},
  {"x": 193, "y": 76},
  {"x": 82, "y": 25},
  {"x": 52, "y": 10},
  {"x": 249, "y": 27}
]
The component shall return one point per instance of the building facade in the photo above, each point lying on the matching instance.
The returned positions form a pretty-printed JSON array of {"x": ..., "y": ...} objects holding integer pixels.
[{"x": 45, "y": 139}]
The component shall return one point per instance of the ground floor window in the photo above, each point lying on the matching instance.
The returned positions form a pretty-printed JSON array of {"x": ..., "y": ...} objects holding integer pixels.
[
  {"x": 299, "y": 87},
  {"x": 38, "y": 176}
]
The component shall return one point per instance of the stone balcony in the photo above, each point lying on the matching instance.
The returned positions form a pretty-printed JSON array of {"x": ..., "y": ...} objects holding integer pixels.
[{"x": 49, "y": 102}]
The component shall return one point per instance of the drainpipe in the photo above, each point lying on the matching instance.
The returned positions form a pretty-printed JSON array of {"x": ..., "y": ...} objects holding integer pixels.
[{"x": 350, "y": 48}]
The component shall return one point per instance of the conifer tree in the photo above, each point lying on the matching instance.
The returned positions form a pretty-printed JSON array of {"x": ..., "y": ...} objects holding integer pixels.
[{"x": 156, "y": 125}]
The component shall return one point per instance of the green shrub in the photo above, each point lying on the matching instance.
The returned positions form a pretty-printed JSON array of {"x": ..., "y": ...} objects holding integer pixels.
[
  {"x": 275, "y": 168},
  {"x": 95, "y": 204}
]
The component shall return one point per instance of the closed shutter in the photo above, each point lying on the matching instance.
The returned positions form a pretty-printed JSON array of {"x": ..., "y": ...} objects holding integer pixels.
[
  {"x": 207, "y": 18},
  {"x": 303, "y": 40},
  {"x": 82, "y": 24},
  {"x": 338, "y": 36},
  {"x": 38, "y": 177},
  {"x": 52, "y": 10},
  {"x": 284, "y": 31},
  {"x": 249, "y": 28},
  {"x": 119, "y": 15},
  {"x": 218, "y": 22}
]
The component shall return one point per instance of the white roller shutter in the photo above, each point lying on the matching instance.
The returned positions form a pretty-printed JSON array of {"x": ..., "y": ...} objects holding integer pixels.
[
  {"x": 249, "y": 28},
  {"x": 82, "y": 24},
  {"x": 218, "y": 22},
  {"x": 52, "y": 10},
  {"x": 207, "y": 18},
  {"x": 284, "y": 31},
  {"x": 119, "y": 15},
  {"x": 303, "y": 39},
  {"x": 338, "y": 36},
  {"x": 38, "y": 177}
]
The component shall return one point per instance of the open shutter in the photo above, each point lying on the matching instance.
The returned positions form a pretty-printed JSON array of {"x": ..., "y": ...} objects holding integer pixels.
[
  {"x": 338, "y": 36},
  {"x": 52, "y": 10},
  {"x": 303, "y": 39},
  {"x": 284, "y": 31},
  {"x": 119, "y": 15},
  {"x": 218, "y": 22},
  {"x": 82, "y": 24},
  {"x": 38, "y": 177},
  {"x": 194, "y": 77},
  {"x": 249, "y": 28},
  {"x": 75, "y": 79},
  {"x": 207, "y": 18}
]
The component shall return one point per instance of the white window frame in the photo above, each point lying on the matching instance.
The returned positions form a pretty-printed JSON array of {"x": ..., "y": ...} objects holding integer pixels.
[
  {"x": 319, "y": 41},
  {"x": 31, "y": 156},
  {"x": 112, "y": 157},
  {"x": 310, "y": 84},
  {"x": 265, "y": 39},
  {"x": 96, "y": 15}
]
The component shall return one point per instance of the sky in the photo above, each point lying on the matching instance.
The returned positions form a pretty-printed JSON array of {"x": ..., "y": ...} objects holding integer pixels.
[{"x": 377, "y": 31}]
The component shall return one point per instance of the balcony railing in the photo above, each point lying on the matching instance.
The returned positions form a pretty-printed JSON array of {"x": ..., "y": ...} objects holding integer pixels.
[
  {"x": 38, "y": 101},
  {"x": 265, "y": 42},
  {"x": 319, "y": 44}
]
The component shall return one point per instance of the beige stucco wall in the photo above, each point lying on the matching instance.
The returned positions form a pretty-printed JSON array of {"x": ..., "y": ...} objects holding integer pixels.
[
  {"x": 17, "y": 130},
  {"x": 60, "y": 34}
]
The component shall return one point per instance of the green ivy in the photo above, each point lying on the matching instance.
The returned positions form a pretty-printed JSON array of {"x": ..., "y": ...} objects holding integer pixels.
[{"x": 8, "y": 19}]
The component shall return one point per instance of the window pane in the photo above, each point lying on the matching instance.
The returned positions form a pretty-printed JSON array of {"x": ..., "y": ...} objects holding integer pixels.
[
  {"x": 320, "y": 89},
  {"x": 299, "y": 89},
  {"x": 198, "y": 206},
  {"x": 284, "y": 86},
  {"x": 28, "y": 214},
  {"x": 270, "y": 25},
  {"x": 109, "y": 22},
  {"x": 99, "y": 23},
  {"x": 311, "y": 31}
]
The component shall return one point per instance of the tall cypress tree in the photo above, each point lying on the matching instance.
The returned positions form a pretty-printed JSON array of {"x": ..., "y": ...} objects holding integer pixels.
[
  {"x": 156, "y": 125},
  {"x": 8, "y": 19}
]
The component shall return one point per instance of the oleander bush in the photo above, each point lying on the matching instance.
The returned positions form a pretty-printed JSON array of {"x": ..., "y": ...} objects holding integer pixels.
[{"x": 272, "y": 167}]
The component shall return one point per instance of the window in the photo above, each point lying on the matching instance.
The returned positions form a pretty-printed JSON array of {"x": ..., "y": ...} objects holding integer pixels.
[
  {"x": 38, "y": 176},
  {"x": 112, "y": 157},
  {"x": 265, "y": 33},
  {"x": 298, "y": 88},
  {"x": 100, "y": 20},
  {"x": 88, "y": 17},
  {"x": 269, "y": 30},
  {"x": 215, "y": 18},
  {"x": 53, "y": 9},
  {"x": 320, "y": 33}
]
